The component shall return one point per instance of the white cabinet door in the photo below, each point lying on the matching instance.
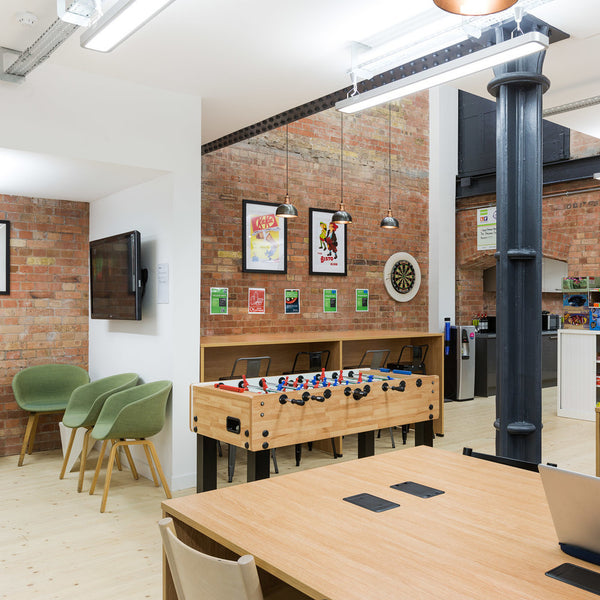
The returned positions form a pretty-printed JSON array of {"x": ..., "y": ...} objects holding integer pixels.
[{"x": 576, "y": 374}]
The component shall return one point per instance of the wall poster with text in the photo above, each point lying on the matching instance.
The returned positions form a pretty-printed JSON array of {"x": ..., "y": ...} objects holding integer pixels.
[{"x": 327, "y": 241}]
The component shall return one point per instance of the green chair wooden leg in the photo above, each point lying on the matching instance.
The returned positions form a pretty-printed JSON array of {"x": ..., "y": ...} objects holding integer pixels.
[
  {"x": 67, "y": 453},
  {"x": 150, "y": 464},
  {"x": 30, "y": 423},
  {"x": 111, "y": 460},
  {"x": 98, "y": 466},
  {"x": 83, "y": 458}
]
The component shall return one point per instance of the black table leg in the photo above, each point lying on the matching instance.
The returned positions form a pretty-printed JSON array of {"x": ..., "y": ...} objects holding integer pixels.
[
  {"x": 424, "y": 433},
  {"x": 366, "y": 444},
  {"x": 206, "y": 464},
  {"x": 258, "y": 465}
]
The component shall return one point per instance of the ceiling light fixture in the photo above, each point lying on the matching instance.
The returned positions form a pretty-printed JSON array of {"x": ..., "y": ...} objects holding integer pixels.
[
  {"x": 341, "y": 217},
  {"x": 287, "y": 210},
  {"x": 474, "y": 7},
  {"x": 487, "y": 58},
  {"x": 389, "y": 222},
  {"x": 119, "y": 22},
  {"x": 79, "y": 12}
]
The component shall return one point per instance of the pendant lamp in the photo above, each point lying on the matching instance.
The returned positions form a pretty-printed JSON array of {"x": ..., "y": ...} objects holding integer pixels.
[
  {"x": 389, "y": 222},
  {"x": 342, "y": 217},
  {"x": 474, "y": 7},
  {"x": 287, "y": 210}
]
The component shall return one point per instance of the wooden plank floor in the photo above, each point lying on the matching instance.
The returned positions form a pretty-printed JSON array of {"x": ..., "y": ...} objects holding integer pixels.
[{"x": 55, "y": 544}]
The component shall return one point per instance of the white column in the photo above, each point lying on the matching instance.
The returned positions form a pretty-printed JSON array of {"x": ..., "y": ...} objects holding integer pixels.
[{"x": 443, "y": 167}]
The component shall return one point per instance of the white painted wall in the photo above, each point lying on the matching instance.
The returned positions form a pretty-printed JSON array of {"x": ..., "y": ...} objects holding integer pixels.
[
  {"x": 443, "y": 167},
  {"x": 165, "y": 343},
  {"x": 71, "y": 114}
]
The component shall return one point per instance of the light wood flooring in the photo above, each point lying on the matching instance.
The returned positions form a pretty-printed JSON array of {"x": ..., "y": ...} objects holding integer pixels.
[{"x": 55, "y": 544}]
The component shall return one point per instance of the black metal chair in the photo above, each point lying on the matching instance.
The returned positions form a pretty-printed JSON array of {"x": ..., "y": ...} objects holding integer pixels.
[
  {"x": 310, "y": 361},
  {"x": 412, "y": 360},
  {"x": 372, "y": 359},
  {"x": 504, "y": 460}
]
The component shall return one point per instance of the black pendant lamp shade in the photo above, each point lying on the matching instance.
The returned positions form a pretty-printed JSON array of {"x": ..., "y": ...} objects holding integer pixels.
[
  {"x": 474, "y": 7},
  {"x": 389, "y": 222},
  {"x": 286, "y": 210},
  {"x": 342, "y": 217}
]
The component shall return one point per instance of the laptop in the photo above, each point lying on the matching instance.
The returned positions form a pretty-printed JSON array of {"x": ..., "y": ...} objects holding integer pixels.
[{"x": 574, "y": 501}]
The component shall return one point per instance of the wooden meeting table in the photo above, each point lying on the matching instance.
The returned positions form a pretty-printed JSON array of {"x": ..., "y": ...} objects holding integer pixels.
[{"x": 488, "y": 536}]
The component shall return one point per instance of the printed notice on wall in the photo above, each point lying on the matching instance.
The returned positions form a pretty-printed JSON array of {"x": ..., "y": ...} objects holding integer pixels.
[
  {"x": 362, "y": 300},
  {"x": 291, "y": 302},
  {"x": 486, "y": 228},
  {"x": 256, "y": 301},
  {"x": 219, "y": 301},
  {"x": 329, "y": 301}
]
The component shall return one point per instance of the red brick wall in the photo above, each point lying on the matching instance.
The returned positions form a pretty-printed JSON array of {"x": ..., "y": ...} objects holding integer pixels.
[
  {"x": 583, "y": 145},
  {"x": 570, "y": 226},
  {"x": 255, "y": 170},
  {"x": 45, "y": 317}
]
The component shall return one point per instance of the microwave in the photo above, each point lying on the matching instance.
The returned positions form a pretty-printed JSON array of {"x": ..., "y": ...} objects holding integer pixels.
[{"x": 550, "y": 322}]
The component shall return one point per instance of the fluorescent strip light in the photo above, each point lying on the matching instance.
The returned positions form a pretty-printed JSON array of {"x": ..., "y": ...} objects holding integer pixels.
[
  {"x": 118, "y": 23},
  {"x": 455, "y": 69}
]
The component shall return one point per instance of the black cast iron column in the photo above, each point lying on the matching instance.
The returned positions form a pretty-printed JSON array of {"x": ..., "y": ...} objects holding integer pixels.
[{"x": 518, "y": 87}]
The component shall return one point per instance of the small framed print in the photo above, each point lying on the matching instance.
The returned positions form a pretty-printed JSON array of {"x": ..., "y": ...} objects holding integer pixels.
[
  {"x": 362, "y": 300},
  {"x": 256, "y": 301},
  {"x": 264, "y": 236},
  {"x": 219, "y": 300},
  {"x": 330, "y": 301},
  {"x": 327, "y": 242},
  {"x": 291, "y": 302}
]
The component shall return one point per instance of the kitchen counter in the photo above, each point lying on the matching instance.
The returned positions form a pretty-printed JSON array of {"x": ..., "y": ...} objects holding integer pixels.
[{"x": 485, "y": 362}]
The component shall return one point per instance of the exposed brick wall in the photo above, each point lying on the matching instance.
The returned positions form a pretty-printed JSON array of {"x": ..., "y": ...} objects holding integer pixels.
[
  {"x": 255, "y": 170},
  {"x": 583, "y": 145},
  {"x": 45, "y": 317},
  {"x": 570, "y": 226}
]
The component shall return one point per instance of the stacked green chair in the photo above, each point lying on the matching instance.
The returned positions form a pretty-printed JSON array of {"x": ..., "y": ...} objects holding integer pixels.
[
  {"x": 44, "y": 389},
  {"x": 132, "y": 416},
  {"x": 83, "y": 409}
]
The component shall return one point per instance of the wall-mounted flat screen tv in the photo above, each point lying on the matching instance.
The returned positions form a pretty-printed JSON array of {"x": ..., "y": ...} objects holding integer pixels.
[{"x": 116, "y": 278}]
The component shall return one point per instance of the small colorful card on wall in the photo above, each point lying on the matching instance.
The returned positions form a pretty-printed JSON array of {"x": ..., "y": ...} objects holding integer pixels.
[
  {"x": 256, "y": 301},
  {"x": 362, "y": 300},
  {"x": 291, "y": 302},
  {"x": 330, "y": 301},
  {"x": 219, "y": 301}
]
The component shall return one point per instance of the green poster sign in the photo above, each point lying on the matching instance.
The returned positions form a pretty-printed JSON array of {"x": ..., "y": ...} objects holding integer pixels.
[
  {"x": 292, "y": 302},
  {"x": 329, "y": 301},
  {"x": 362, "y": 300},
  {"x": 219, "y": 300}
]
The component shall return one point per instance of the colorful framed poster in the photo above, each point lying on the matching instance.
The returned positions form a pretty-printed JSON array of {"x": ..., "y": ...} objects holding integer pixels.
[
  {"x": 362, "y": 300},
  {"x": 219, "y": 301},
  {"x": 5, "y": 257},
  {"x": 256, "y": 301},
  {"x": 264, "y": 247},
  {"x": 291, "y": 302},
  {"x": 330, "y": 300},
  {"x": 327, "y": 243}
]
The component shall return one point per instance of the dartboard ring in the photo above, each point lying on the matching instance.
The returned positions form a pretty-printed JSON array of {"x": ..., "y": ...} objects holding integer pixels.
[{"x": 402, "y": 276}]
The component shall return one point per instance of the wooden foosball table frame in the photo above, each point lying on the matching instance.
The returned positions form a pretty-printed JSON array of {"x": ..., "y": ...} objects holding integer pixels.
[{"x": 259, "y": 421}]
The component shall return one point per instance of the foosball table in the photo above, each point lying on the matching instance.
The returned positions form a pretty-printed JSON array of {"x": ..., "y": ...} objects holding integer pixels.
[{"x": 260, "y": 414}]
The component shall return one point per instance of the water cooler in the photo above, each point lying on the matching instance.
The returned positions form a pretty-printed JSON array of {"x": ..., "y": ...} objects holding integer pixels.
[{"x": 459, "y": 363}]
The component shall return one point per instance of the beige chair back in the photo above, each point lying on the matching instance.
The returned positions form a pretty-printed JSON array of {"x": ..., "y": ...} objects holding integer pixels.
[{"x": 197, "y": 575}]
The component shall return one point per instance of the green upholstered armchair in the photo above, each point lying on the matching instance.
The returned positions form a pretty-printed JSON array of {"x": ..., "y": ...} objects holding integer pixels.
[
  {"x": 83, "y": 409},
  {"x": 44, "y": 389},
  {"x": 130, "y": 417}
]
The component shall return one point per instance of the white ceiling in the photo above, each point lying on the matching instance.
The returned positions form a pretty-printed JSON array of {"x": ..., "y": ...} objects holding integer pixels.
[{"x": 251, "y": 59}]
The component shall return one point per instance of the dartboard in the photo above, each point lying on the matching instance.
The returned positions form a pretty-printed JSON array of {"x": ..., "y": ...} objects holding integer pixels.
[{"x": 402, "y": 276}]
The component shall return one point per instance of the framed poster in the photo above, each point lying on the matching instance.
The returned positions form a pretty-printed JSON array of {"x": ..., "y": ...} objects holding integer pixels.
[
  {"x": 291, "y": 302},
  {"x": 219, "y": 300},
  {"x": 256, "y": 301},
  {"x": 362, "y": 300},
  {"x": 327, "y": 241},
  {"x": 5, "y": 257},
  {"x": 264, "y": 248},
  {"x": 330, "y": 300}
]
